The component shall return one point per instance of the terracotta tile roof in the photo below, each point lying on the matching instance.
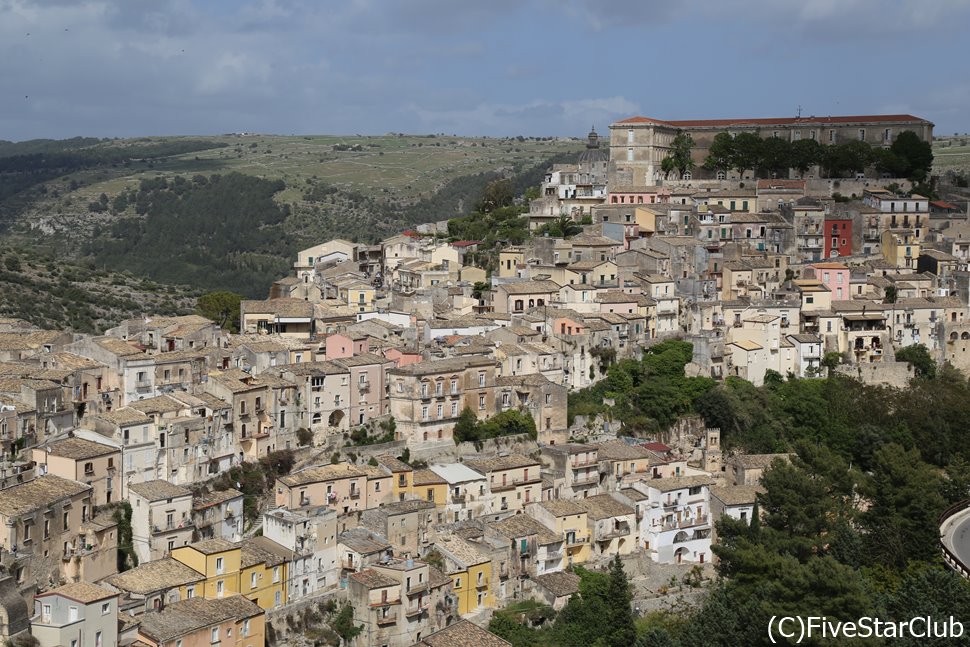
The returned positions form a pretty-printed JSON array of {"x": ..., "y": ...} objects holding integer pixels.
[
  {"x": 463, "y": 634},
  {"x": 373, "y": 579},
  {"x": 189, "y": 616},
  {"x": 82, "y": 592},
  {"x": 37, "y": 494},
  {"x": 772, "y": 121},
  {"x": 559, "y": 584},
  {"x": 156, "y": 575},
  {"x": 158, "y": 489},
  {"x": 79, "y": 448}
]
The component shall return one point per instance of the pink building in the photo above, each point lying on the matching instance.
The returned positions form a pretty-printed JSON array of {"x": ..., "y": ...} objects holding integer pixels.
[
  {"x": 338, "y": 345},
  {"x": 834, "y": 276}
]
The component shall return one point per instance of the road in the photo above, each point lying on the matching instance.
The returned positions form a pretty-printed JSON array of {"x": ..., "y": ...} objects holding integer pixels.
[{"x": 955, "y": 534}]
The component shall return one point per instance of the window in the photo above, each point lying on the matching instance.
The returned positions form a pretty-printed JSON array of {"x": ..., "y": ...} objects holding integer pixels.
[
  {"x": 481, "y": 379},
  {"x": 629, "y": 154},
  {"x": 831, "y": 136},
  {"x": 214, "y": 637},
  {"x": 245, "y": 627},
  {"x": 454, "y": 387},
  {"x": 424, "y": 389},
  {"x": 252, "y": 580},
  {"x": 276, "y": 574},
  {"x": 548, "y": 398},
  {"x": 438, "y": 387},
  {"x": 424, "y": 413},
  {"x": 220, "y": 588},
  {"x": 47, "y": 528},
  {"x": 98, "y": 639},
  {"x": 629, "y": 136},
  {"x": 441, "y": 411},
  {"x": 862, "y": 134},
  {"x": 454, "y": 409},
  {"x": 220, "y": 565},
  {"x": 481, "y": 402}
]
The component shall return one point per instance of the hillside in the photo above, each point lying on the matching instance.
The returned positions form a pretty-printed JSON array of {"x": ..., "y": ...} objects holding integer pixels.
[{"x": 228, "y": 212}]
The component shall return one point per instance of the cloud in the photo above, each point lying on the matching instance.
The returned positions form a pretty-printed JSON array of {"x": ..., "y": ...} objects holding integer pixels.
[{"x": 569, "y": 117}]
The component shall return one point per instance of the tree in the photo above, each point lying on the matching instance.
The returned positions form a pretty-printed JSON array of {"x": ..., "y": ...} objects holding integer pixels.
[
  {"x": 679, "y": 159},
  {"x": 747, "y": 152},
  {"x": 915, "y": 155},
  {"x": 905, "y": 500},
  {"x": 466, "y": 428},
  {"x": 495, "y": 195},
  {"x": 805, "y": 153},
  {"x": 720, "y": 155},
  {"x": 889, "y": 294},
  {"x": 220, "y": 307},
  {"x": 851, "y": 157},
  {"x": 343, "y": 624},
  {"x": 623, "y": 630},
  {"x": 918, "y": 357},
  {"x": 776, "y": 154}
]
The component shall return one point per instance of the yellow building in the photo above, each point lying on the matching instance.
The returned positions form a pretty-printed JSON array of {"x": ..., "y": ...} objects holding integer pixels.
[
  {"x": 430, "y": 487},
  {"x": 255, "y": 568},
  {"x": 218, "y": 560},
  {"x": 263, "y": 572},
  {"x": 470, "y": 570},
  {"x": 568, "y": 520},
  {"x": 401, "y": 473},
  {"x": 900, "y": 247},
  {"x": 508, "y": 261}
]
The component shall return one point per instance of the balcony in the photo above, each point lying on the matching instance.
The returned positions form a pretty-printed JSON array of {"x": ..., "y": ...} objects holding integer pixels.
[
  {"x": 684, "y": 523},
  {"x": 389, "y": 619},
  {"x": 170, "y": 526},
  {"x": 582, "y": 481},
  {"x": 364, "y": 387},
  {"x": 619, "y": 530},
  {"x": 417, "y": 587},
  {"x": 415, "y": 609},
  {"x": 355, "y": 494},
  {"x": 583, "y": 463},
  {"x": 458, "y": 498},
  {"x": 555, "y": 556},
  {"x": 509, "y": 485}
]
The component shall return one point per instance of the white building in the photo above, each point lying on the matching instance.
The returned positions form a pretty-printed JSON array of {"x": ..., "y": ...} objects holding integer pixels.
[{"x": 676, "y": 526}]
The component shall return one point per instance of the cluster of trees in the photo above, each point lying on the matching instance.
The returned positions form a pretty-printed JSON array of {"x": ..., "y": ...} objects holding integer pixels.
[
  {"x": 908, "y": 156},
  {"x": 27, "y": 164},
  {"x": 221, "y": 232},
  {"x": 848, "y": 527},
  {"x": 599, "y": 616},
  {"x": 650, "y": 394},
  {"x": 496, "y": 217},
  {"x": 507, "y": 423}
]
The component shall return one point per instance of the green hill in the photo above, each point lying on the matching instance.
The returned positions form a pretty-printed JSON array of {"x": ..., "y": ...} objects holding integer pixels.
[{"x": 228, "y": 212}]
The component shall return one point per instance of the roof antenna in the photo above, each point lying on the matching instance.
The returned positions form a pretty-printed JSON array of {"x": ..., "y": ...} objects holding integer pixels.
[{"x": 799, "y": 112}]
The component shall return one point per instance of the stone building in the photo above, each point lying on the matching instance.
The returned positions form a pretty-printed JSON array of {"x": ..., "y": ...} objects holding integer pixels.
[{"x": 639, "y": 144}]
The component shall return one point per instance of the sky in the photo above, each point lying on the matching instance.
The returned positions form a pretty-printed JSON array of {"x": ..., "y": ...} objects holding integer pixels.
[{"x": 124, "y": 68}]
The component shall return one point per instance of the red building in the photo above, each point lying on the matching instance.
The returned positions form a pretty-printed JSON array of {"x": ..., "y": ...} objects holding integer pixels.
[{"x": 838, "y": 236}]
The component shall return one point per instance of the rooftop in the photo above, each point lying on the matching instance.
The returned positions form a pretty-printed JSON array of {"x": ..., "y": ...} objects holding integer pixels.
[
  {"x": 82, "y": 592},
  {"x": 156, "y": 575},
  {"x": 188, "y": 616},
  {"x": 463, "y": 634},
  {"x": 158, "y": 489},
  {"x": 79, "y": 449},
  {"x": 39, "y": 493}
]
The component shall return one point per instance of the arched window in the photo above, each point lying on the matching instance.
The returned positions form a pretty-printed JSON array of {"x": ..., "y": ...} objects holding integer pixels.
[
  {"x": 954, "y": 336},
  {"x": 965, "y": 335},
  {"x": 518, "y": 304},
  {"x": 687, "y": 176},
  {"x": 721, "y": 175}
]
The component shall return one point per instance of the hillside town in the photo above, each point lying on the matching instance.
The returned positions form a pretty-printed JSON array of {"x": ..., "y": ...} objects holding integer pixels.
[{"x": 388, "y": 436}]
